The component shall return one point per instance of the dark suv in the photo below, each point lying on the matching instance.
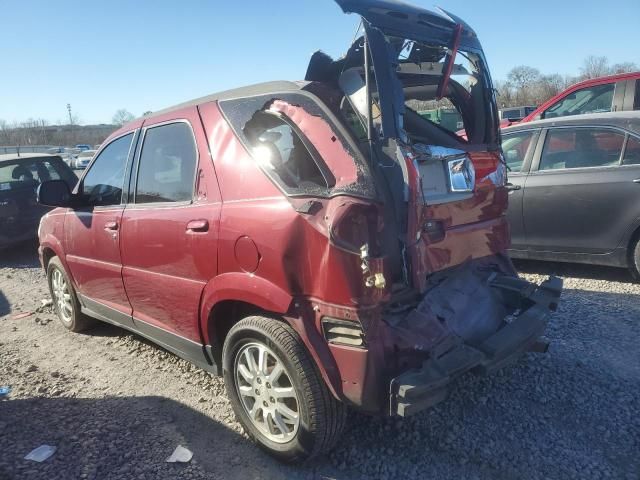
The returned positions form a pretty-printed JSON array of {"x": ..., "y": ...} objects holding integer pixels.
[{"x": 318, "y": 243}]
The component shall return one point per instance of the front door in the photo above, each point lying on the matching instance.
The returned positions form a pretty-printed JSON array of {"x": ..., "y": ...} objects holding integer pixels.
[
  {"x": 574, "y": 201},
  {"x": 169, "y": 230},
  {"x": 92, "y": 233},
  {"x": 517, "y": 149}
]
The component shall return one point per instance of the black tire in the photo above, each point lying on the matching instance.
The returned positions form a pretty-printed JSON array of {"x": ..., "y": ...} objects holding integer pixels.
[
  {"x": 321, "y": 417},
  {"x": 634, "y": 260},
  {"x": 76, "y": 321}
]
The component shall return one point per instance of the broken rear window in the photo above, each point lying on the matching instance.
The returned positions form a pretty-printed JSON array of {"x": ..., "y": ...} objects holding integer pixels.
[
  {"x": 279, "y": 148},
  {"x": 297, "y": 144}
]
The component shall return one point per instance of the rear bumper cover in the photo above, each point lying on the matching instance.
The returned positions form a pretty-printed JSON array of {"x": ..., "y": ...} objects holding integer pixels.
[{"x": 421, "y": 388}]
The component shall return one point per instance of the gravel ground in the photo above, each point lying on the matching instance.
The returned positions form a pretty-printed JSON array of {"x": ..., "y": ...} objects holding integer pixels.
[{"x": 116, "y": 406}]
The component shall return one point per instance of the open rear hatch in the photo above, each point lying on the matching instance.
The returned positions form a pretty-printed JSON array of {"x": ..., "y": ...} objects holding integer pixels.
[
  {"x": 418, "y": 95},
  {"x": 411, "y": 80}
]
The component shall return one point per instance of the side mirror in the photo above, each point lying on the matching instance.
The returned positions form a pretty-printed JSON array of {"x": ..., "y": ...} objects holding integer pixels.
[{"x": 54, "y": 193}]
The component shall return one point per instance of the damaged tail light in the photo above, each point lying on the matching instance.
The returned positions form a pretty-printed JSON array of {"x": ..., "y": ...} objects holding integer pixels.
[
  {"x": 356, "y": 225},
  {"x": 489, "y": 166}
]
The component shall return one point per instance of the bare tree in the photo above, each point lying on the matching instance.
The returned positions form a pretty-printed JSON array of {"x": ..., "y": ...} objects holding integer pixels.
[
  {"x": 624, "y": 67},
  {"x": 522, "y": 79},
  {"x": 122, "y": 116},
  {"x": 594, "y": 67}
]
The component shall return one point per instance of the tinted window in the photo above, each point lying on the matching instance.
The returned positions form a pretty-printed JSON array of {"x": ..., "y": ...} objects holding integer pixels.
[
  {"x": 515, "y": 148},
  {"x": 632, "y": 152},
  {"x": 103, "y": 182},
  {"x": 580, "y": 148},
  {"x": 30, "y": 173},
  {"x": 167, "y": 165},
  {"x": 596, "y": 99},
  {"x": 280, "y": 150}
]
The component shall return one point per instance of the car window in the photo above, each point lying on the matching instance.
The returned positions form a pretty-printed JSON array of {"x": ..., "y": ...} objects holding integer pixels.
[
  {"x": 30, "y": 173},
  {"x": 167, "y": 164},
  {"x": 595, "y": 99},
  {"x": 581, "y": 148},
  {"x": 632, "y": 152},
  {"x": 515, "y": 148},
  {"x": 281, "y": 151},
  {"x": 102, "y": 185}
]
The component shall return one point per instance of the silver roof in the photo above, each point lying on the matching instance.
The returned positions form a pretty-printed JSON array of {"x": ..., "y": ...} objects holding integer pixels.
[{"x": 629, "y": 120}]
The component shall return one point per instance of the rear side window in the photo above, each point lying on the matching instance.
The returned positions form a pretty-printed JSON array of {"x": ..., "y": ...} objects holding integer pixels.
[
  {"x": 632, "y": 152},
  {"x": 297, "y": 143},
  {"x": 279, "y": 149},
  {"x": 595, "y": 99},
  {"x": 581, "y": 148},
  {"x": 103, "y": 182},
  {"x": 167, "y": 168},
  {"x": 515, "y": 148}
]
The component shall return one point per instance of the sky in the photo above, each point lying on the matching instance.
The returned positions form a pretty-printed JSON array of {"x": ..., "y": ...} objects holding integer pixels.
[{"x": 102, "y": 56}]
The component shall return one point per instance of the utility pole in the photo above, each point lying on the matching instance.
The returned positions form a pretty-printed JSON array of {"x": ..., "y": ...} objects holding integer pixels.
[{"x": 70, "y": 120}]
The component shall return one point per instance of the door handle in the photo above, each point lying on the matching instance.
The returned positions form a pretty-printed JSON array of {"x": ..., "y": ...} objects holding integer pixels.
[
  {"x": 637, "y": 180},
  {"x": 111, "y": 226},
  {"x": 198, "y": 226},
  {"x": 511, "y": 187}
]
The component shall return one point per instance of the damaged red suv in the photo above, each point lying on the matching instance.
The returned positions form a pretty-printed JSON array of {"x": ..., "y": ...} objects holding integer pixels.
[{"x": 322, "y": 244}]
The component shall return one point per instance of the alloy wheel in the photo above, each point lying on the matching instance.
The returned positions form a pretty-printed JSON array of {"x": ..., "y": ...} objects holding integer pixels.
[
  {"x": 266, "y": 392},
  {"x": 61, "y": 295}
]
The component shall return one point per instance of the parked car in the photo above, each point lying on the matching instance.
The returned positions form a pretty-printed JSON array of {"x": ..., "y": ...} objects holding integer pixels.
[
  {"x": 83, "y": 146},
  {"x": 83, "y": 159},
  {"x": 319, "y": 246},
  {"x": 20, "y": 175},
  {"x": 575, "y": 189},
  {"x": 614, "y": 93}
]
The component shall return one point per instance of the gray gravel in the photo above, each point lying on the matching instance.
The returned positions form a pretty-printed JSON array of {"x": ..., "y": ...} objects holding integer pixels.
[{"x": 116, "y": 406}]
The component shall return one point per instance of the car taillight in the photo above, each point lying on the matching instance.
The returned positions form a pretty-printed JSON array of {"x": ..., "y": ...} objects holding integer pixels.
[
  {"x": 356, "y": 225},
  {"x": 489, "y": 166}
]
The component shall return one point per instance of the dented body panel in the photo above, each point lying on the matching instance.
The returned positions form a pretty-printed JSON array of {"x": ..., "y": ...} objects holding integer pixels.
[{"x": 379, "y": 236}]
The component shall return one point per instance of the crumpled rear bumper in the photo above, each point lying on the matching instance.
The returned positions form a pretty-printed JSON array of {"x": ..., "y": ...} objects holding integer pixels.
[{"x": 421, "y": 388}]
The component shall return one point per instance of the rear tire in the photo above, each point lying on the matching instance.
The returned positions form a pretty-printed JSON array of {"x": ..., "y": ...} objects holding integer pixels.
[
  {"x": 65, "y": 300},
  {"x": 634, "y": 260},
  {"x": 279, "y": 397}
]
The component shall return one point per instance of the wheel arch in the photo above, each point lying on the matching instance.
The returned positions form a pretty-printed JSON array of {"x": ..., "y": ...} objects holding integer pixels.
[{"x": 230, "y": 297}]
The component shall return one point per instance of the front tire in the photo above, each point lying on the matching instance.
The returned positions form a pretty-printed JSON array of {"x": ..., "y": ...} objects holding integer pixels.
[
  {"x": 65, "y": 300},
  {"x": 277, "y": 392}
]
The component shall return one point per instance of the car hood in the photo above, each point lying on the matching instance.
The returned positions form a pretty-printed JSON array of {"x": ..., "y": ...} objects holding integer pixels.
[{"x": 408, "y": 21}]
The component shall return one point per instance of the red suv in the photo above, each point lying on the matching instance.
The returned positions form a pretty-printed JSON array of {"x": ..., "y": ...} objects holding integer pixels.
[{"x": 318, "y": 243}]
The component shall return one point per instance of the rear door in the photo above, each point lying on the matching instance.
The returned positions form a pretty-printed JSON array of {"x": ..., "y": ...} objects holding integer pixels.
[
  {"x": 170, "y": 228},
  {"x": 92, "y": 232},
  {"x": 575, "y": 193},
  {"x": 518, "y": 149}
]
